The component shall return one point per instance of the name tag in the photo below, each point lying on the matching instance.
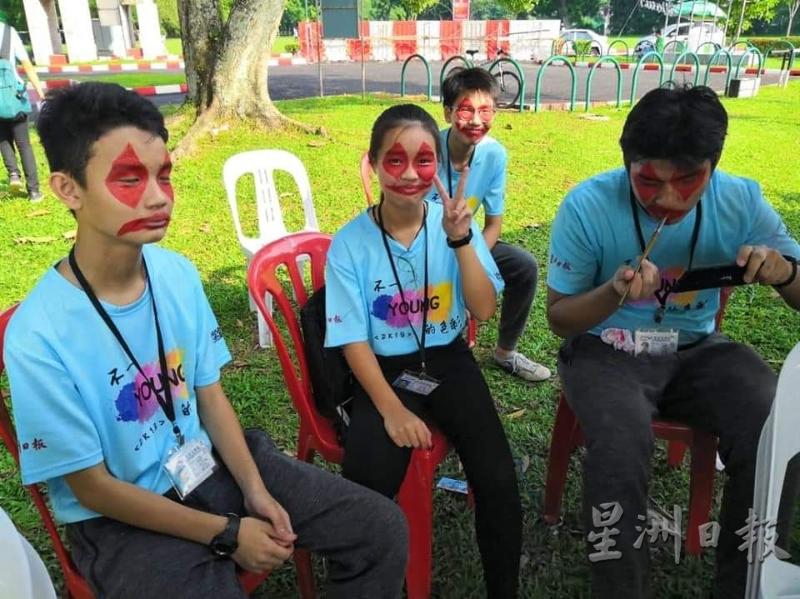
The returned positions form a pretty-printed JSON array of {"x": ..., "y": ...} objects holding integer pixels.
[
  {"x": 655, "y": 342},
  {"x": 416, "y": 382},
  {"x": 189, "y": 465}
]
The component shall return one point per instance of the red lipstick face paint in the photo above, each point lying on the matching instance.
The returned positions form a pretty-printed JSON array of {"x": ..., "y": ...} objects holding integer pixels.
[
  {"x": 151, "y": 223},
  {"x": 127, "y": 179}
]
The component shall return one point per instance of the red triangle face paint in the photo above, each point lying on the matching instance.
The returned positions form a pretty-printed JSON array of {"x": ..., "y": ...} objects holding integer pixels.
[
  {"x": 164, "y": 175},
  {"x": 127, "y": 179}
]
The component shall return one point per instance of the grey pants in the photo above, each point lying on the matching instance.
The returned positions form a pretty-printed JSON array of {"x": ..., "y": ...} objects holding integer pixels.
[
  {"x": 718, "y": 386},
  {"x": 361, "y": 533},
  {"x": 16, "y": 133},
  {"x": 520, "y": 273}
]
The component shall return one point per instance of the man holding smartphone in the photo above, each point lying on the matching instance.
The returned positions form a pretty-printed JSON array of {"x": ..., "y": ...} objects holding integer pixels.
[{"x": 671, "y": 143}]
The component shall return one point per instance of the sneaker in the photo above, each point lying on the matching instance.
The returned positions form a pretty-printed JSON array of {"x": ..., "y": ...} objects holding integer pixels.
[
  {"x": 520, "y": 365},
  {"x": 15, "y": 182},
  {"x": 35, "y": 196}
]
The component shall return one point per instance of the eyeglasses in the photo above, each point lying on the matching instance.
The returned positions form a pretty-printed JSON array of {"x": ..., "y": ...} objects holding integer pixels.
[{"x": 467, "y": 113}]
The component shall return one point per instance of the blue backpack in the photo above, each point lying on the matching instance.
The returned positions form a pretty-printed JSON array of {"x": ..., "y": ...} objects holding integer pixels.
[{"x": 14, "y": 102}]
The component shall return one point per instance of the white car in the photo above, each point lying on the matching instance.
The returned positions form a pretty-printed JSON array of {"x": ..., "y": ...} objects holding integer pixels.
[
  {"x": 690, "y": 35},
  {"x": 570, "y": 36}
]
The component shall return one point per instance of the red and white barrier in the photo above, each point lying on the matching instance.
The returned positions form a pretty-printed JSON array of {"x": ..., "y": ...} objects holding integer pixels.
[{"x": 428, "y": 33}]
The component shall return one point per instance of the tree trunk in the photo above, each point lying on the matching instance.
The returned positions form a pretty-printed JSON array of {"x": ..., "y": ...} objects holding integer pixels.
[
  {"x": 226, "y": 67},
  {"x": 201, "y": 30},
  {"x": 564, "y": 12},
  {"x": 792, "y": 12}
]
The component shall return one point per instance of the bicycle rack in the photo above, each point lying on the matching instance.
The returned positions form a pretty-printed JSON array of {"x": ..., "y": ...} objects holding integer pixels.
[
  {"x": 786, "y": 44},
  {"x": 593, "y": 68},
  {"x": 678, "y": 59},
  {"x": 427, "y": 73},
  {"x": 520, "y": 73},
  {"x": 679, "y": 45},
  {"x": 729, "y": 70},
  {"x": 638, "y": 67},
  {"x": 574, "y": 80},
  {"x": 467, "y": 63},
  {"x": 619, "y": 42},
  {"x": 748, "y": 52},
  {"x": 715, "y": 45},
  {"x": 746, "y": 43}
]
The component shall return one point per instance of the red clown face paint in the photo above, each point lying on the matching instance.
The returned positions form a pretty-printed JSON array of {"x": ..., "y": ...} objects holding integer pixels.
[
  {"x": 651, "y": 187},
  {"x": 465, "y": 119},
  {"x": 151, "y": 223},
  {"x": 127, "y": 179},
  {"x": 396, "y": 163},
  {"x": 164, "y": 174}
]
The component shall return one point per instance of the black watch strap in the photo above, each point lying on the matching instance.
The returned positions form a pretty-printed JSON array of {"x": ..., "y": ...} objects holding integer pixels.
[
  {"x": 460, "y": 242},
  {"x": 226, "y": 543},
  {"x": 792, "y": 276}
]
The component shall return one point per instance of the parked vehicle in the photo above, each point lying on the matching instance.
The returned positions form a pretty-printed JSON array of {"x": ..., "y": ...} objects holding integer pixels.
[
  {"x": 691, "y": 35},
  {"x": 568, "y": 37}
]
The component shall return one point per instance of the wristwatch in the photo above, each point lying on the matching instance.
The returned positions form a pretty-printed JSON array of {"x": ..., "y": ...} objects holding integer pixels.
[
  {"x": 460, "y": 242},
  {"x": 226, "y": 542},
  {"x": 793, "y": 261}
]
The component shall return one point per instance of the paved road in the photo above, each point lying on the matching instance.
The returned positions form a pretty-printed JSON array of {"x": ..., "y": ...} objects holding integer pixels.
[{"x": 291, "y": 82}]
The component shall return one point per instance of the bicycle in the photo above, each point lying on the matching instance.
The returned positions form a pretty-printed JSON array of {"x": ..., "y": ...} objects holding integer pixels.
[{"x": 507, "y": 81}]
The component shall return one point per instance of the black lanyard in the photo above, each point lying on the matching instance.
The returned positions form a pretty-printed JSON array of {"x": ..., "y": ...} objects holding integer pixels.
[
  {"x": 420, "y": 342},
  {"x": 449, "y": 166},
  {"x": 662, "y": 297},
  {"x": 165, "y": 402}
]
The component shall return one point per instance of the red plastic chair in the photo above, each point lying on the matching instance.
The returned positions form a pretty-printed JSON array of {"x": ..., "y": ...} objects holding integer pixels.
[
  {"x": 567, "y": 436},
  {"x": 76, "y": 585},
  {"x": 317, "y": 434},
  {"x": 366, "y": 182}
]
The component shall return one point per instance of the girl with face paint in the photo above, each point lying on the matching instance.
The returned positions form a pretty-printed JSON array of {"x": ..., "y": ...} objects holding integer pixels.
[{"x": 399, "y": 280}]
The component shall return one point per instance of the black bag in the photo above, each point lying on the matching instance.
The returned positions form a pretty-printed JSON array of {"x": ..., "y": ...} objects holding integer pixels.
[{"x": 331, "y": 377}]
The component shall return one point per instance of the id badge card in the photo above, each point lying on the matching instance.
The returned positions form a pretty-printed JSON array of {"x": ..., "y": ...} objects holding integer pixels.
[
  {"x": 189, "y": 465},
  {"x": 655, "y": 342},
  {"x": 416, "y": 382}
]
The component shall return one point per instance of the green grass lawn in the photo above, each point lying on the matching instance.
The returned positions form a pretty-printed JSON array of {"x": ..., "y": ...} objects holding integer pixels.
[
  {"x": 549, "y": 153},
  {"x": 138, "y": 79}
]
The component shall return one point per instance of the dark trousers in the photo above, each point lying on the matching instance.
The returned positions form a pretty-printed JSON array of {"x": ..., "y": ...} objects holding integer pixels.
[
  {"x": 717, "y": 386},
  {"x": 520, "y": 272},
  {"x": 362, "y": 534},
  {"x": 464, "y": 410},
  {"x": 16, "y": 133}
]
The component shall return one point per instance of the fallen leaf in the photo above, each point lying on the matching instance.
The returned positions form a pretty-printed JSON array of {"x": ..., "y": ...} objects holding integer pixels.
[
  {"x": 70, "y": 234},
  {"x": 524, "y": 463},
  {"x": 517, "y": 414},
  {"x": 238, "y": 364},
  {"x": 533, "y": 226},
  {"x": 239, "y": 323},
  {"x": 36, "y": 213},
  {"x": 509, "y": 126},
  {"x": 593, "y": 117},
  {"x": 286, "y": 194},
  {"x": 205, "y": 228},
  {"x": 47, "y": 239},
  {"x": 315, "y": 144}
]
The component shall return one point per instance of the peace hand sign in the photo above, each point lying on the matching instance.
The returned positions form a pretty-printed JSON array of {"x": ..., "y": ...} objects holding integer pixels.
[{"x": 457, "y": 217}]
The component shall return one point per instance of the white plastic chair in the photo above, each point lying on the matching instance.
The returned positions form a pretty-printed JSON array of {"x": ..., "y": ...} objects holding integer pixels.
[
  {"x": 262, "y": 164},
  {"x": 773, "y": 578},
  {"x": 22, "y": 573}
]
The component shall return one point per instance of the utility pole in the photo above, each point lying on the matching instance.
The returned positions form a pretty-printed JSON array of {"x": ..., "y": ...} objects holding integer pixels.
[{"x": 741, "y": 20}]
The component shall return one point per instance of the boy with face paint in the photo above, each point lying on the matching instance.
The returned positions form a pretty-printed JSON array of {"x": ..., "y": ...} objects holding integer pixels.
[
  {"x": 468, "y": 96},
  {"x": 671, "y": 143},
  {"x": 114, "y": 364}
]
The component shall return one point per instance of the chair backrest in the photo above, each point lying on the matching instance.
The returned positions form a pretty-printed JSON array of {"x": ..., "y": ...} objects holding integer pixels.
[
  {"x": 262, "y": 164},
  {"x": 9, "y": 438},
  {"x": 366, "y": 178},
  {"x": 262, "y": 279},
  {"x": 778, "y": 445}
]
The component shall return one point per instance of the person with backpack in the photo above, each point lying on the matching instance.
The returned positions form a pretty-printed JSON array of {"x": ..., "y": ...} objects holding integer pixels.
[
  {"x": 399, "y": 280},
  {"x": 114, "y": 362},
  {"x": 14, "y": 110}
]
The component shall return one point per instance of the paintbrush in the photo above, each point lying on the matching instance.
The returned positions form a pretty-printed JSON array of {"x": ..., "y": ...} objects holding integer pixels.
[{"x": 645, "y": 254}]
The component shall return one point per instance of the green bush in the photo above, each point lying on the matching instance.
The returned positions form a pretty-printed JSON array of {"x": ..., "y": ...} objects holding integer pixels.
[
  {"x": 583, "y": 47},
  {"x": 762, "y": 43},
  {"x": 168, "y": 15},
  {"x": 293, "y": 47}
]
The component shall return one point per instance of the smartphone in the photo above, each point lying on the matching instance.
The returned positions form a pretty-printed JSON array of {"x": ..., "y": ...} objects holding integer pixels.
[{"x": 711, "y": 277}]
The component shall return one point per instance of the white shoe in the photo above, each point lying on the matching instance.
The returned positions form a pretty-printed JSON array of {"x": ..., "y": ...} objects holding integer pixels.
[{"x": 520, "y": 365}]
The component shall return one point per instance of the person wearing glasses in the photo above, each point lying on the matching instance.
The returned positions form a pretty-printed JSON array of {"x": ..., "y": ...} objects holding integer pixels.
[{"x": 468, "y": 96}]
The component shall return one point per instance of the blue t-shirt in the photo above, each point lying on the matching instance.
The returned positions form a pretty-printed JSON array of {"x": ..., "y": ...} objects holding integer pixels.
[
  {"x": 362, "y": 299},
  {"x": 78, "y": 401},
  {"x": 594, "y": 234},
  {"x": 486, "y": 185}
]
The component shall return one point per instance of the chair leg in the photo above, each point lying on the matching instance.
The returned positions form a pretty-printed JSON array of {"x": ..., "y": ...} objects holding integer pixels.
[
  {"x": 264, "y": 334},
  {"x": 305, "y": 574},
  {"x": 472, "y": 332},
  {"x": 561, "y": 446},
  {"x": 416, "y": 501},
  {"x": 675, "y": 452},
  {"x": 701, "y": 488}
]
